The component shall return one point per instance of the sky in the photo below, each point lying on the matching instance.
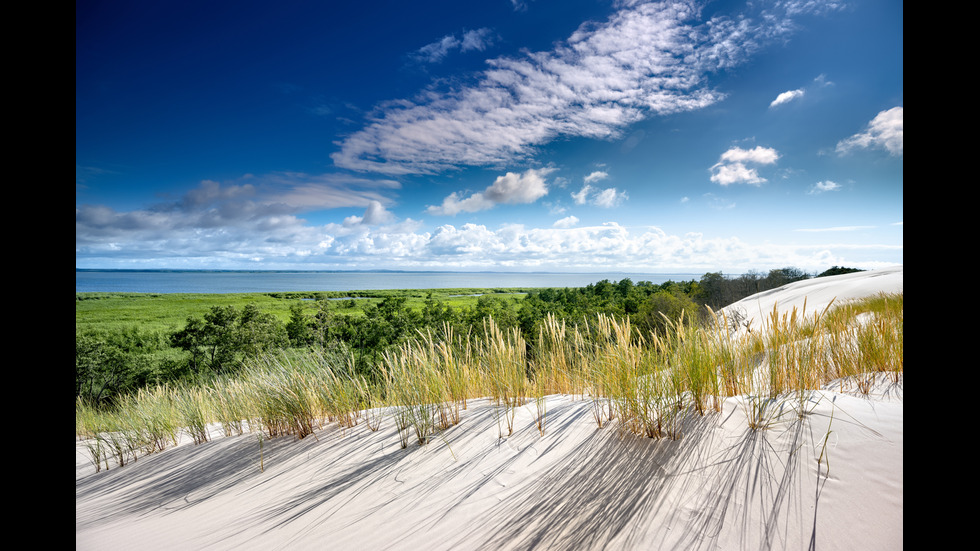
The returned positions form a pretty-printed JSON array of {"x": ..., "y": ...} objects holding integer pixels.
[{"x": 503, "y": 135}]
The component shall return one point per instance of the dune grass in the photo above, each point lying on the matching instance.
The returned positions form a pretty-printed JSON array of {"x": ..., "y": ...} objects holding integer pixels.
[{"x": 644, "y": 382}]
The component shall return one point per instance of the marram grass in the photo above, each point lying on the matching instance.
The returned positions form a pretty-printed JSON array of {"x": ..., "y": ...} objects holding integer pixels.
[{"x": 645, "y": 383}]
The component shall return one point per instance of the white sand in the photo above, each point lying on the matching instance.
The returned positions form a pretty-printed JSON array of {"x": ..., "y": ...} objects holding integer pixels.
[
  {"x": 720, "y": 486},
  {"x": 816, "y": 294}
]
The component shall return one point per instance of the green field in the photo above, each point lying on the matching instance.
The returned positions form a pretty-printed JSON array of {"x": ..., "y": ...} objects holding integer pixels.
[{"x": 168, "y": 312}]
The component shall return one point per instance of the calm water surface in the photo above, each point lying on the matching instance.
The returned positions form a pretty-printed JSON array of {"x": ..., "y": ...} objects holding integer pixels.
[{"x": 267, "y": 282}]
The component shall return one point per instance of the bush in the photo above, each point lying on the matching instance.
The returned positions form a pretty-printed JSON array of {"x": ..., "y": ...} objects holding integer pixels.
[{"x": 663, "y": 308}]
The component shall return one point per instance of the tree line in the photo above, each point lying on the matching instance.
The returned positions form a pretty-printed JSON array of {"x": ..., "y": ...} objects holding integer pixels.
[{"x": 108, "y": 364}]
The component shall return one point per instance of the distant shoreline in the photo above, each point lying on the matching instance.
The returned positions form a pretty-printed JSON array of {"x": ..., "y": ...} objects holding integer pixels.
[
  {"x": 378, "y": 271},
  {"x": 241, "y": 281}
]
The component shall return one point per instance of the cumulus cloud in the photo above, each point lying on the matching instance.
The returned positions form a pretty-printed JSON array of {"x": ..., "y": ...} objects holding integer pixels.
[
  {"x": 821, "y": 187},
  {"x": 566, "y": 222},
  {"x": 786, "y": 97},
  {"x": 736, "y": 173},
  {"x": 374, "y": 215},
  {"x": 288, "y": 243},
  {"x": 511, "y": 188},
  {"x": 647, "y": 59},
  {"x": 883, "y": 132},
  {"x": 759, "y": 155},
  {"x": 609, "y": 246},
  {"x": 733, "y": 167}
]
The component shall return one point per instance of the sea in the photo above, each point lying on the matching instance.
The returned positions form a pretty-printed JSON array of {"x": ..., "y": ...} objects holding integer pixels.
[{"x": 205, "y": 281}]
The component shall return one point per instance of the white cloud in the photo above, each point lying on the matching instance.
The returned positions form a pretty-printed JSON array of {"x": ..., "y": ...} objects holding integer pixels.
[
  {"x": 374, "y": 215},
  {"x": 479, "y": 40},
  {"x": 787, "y": 97},
  {"x": 647, "y": 59},
  {"x": 596, "y": 176},
  {"x": 826, "y": 185},
  {"x": 438, "y": 50},
  {"x": 606, "y": 198},
  {"x": 581, "y": 197},
  {"x": 821, "y": 81},
  {"x": 566, "y": 222},
  {"x": 732, "y": 169},
  {"x": 760, "y": 155},
  {"x": 287, "y": 243},
  {"x": 736, "y": 173},
  {"x": 610, "y": 197},
  {"x": 885, "y": 131},
  {"x": 511, "y": 188},
  {"x": 257, "y": 212}
]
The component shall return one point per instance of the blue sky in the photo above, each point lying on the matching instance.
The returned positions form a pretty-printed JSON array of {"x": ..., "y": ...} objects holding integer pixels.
[{"x": 534, "y": 135}]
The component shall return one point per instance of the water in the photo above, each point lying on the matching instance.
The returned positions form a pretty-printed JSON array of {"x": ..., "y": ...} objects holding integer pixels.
[{"x": 124, "y": 281}]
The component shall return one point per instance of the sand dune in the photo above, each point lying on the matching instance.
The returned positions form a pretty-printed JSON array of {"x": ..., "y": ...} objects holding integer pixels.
[
  {"x": 831, "y": 480},
  {"x": 816, "y": 294}
]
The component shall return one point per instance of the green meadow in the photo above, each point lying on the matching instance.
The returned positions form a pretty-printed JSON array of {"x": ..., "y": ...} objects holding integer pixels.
[{"x": 162, "y": 312}]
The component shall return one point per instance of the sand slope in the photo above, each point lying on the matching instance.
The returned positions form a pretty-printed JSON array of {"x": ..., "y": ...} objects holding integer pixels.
[
  {"x": 816, "y": 294},
  {"x": 833, "y": 480}
]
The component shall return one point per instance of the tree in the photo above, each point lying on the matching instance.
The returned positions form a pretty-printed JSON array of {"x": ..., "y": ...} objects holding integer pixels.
[
  {"x": 838, "y": 270},
  {"x": 713, "y": 290},
  {"x": 664, "y": 308},
  {"x": 258, "y": 332},
  {"x": 224, "y": 336},
  {"x": 209, "y": 340},
  {"x": 107, "y": 365},
  {"x": 298, "y": 328},
  {"x": 783, "y": 276},
  {"x": 322, "y": 323}
]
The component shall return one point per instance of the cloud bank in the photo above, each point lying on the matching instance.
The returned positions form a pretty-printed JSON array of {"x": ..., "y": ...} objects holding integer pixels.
[{"x": 401, "y": 245}]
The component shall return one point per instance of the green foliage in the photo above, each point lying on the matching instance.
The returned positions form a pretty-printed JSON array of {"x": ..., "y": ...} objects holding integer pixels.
[
  {"x": 717, "y": 291},
  {"x": 662, "y": 309},
  {"x": 300, "y": 326},
  {"x": 111, "y": 363},
  {"x": 224, "y": 336},
  {"x": 838, "y": 270}
]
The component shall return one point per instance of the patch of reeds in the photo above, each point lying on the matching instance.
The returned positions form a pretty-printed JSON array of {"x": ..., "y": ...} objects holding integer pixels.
[
  {"x": 194, "y": 406},
  {"x": 645, "y": 382},
  {"x": 502, "y": 361},
  {"x": 414, "y": 390}
]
